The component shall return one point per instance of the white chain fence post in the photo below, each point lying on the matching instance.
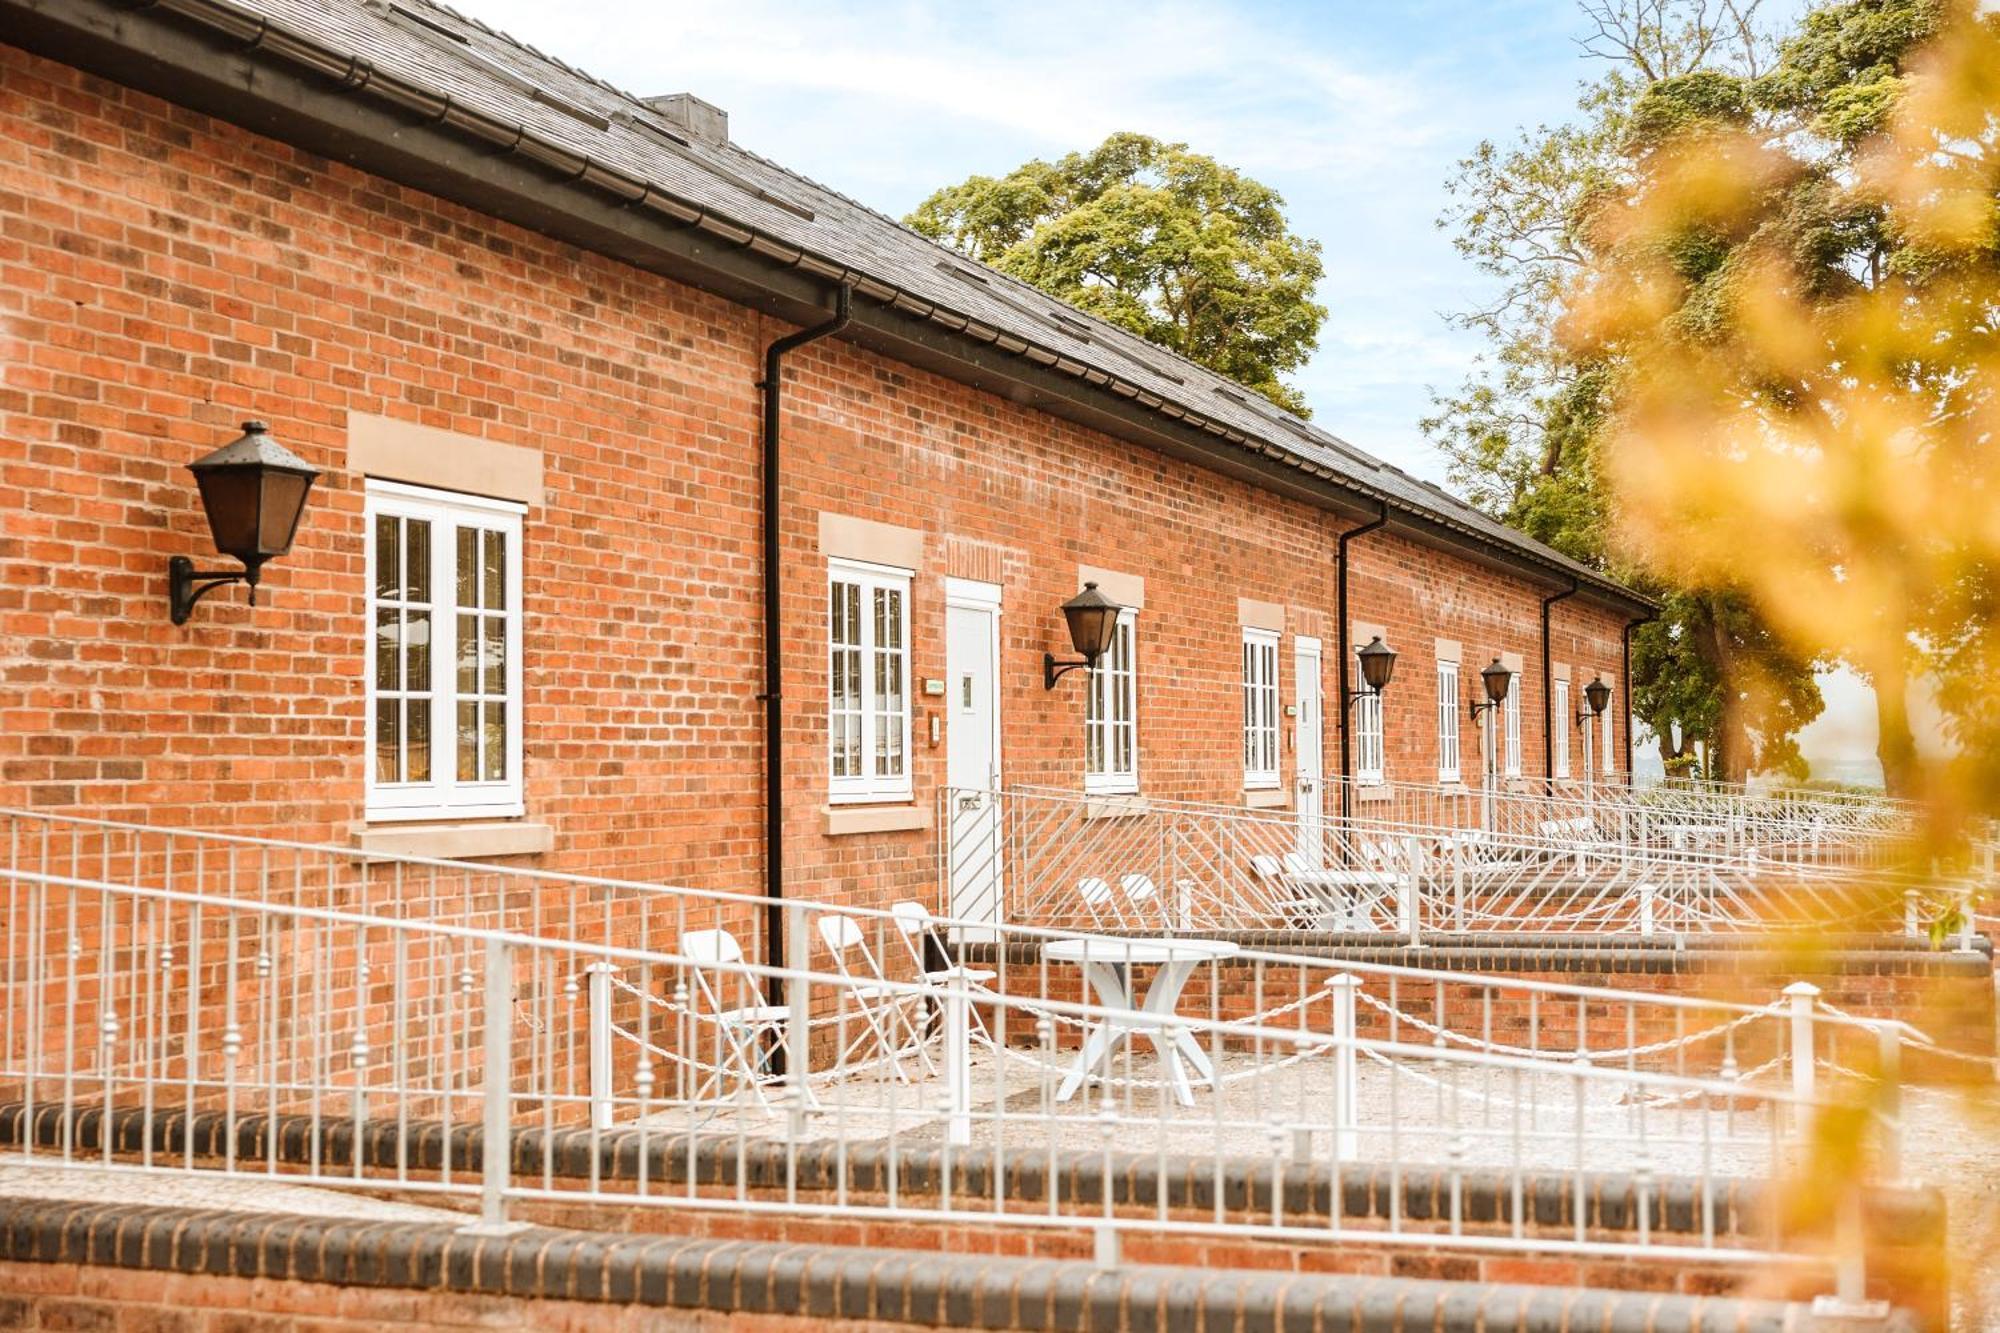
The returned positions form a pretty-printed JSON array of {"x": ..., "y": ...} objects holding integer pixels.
[
  {"x": 599, "y": 976},
  {"x": 497, "y": 1091},
  {"x": 1802, "y": 995},
  {"x": 1346, "y": 1120},
  {"x": 958, "y": 1059}
]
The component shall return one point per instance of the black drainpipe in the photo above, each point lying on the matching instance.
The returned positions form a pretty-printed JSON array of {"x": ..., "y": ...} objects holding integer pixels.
[
  {"x": 774, "y": 755},
  {"x": 1346, "y": 656},
  {"x": 1625, "y": 688},
  {"x": 1549, "y": 692}
]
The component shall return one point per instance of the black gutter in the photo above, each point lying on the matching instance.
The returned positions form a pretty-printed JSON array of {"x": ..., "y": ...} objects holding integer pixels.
[
  {"x": 1549, "y": 692},
  {"x": 1341, "y": 635},
  {"x": 1625, "y": 688},
  {"x": 773, "y": 387}
]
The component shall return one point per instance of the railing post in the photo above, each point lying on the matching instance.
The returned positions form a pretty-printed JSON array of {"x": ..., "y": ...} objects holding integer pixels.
[
  {"x": 1803, "y": 995},
  {"x": 1346, "y": 1123},
  {"x": 599, "y": 976},
  {"x": 1890, "y": 1037},
  {"x": 1646, "y": 896},
  {"x": 1910, "y": 913},
  {"x": 1965, "y": 931},
  {"x": 957, "y": 1059},
  {"x": 1457, "y": 880},
  {"x": 798, "y": 997},
  {"x": 1412, "y": 876},
  {"x": 497, "y": 1089}
]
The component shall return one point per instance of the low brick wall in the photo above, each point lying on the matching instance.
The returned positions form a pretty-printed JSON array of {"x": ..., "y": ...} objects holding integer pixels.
[
  {"x": 69, "y": 1265},
  {"x": 831, "y": 1187}
]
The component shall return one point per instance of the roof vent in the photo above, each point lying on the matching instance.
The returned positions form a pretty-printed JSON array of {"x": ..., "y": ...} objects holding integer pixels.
[{"x": 704, "y": 121}]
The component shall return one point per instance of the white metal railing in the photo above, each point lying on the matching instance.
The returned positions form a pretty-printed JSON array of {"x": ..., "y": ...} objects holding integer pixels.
[
  {"x": 1783, "y": 828},
  {"x": 244, "y": 997},
  {"x": 1057, "y": 859}
]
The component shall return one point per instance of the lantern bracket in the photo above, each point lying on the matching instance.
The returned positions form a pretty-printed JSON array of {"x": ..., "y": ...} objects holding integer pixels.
[
  {"x": 187, "y": 585},
  {"x": 1054, "y": 668}
]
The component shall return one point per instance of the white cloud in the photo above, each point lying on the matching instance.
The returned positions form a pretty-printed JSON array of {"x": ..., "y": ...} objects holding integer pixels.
[{"x": 1354, "y": 113}]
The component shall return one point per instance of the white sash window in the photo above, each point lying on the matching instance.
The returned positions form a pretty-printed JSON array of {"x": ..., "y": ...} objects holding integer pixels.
[
  {"x": 868, "y": 682},
  {"x": 1447, "y": 715},
  {"x": 1111, "y": 715},
  {"x": 444, "y": 653},
  {"x": 1260, "y": 708},
  {"x": 1562, "y": 722}
]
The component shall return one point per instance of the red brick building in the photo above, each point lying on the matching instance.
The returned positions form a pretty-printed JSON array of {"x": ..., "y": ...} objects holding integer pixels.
[{"x": 519, "y": 320}]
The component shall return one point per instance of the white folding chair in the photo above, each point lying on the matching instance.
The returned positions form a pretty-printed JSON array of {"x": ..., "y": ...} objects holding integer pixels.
[
  {"x": 914, "y": 922},
  {"x": 1297, "y": 905},
  {"x": 883, "y": 1009},
  {"x": 1096, "y": 895},
  {"x": 741, "y": 1028}
]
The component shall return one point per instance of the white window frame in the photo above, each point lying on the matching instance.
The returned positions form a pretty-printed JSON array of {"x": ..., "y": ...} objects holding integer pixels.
[
  {"x": 1562, "y": 722},
  {"x": 444, "y": 795},
  {"x": 1369, "y": 747},
  {"x": 1260, "y": 709},
  {"x": 1608, "y": 737},
  {"x": 1512, "y": 715},
  {"x": 1116, "y": 675},
  {"x": 871, "y": 785},
  {"x": 1450, "y": 755}
]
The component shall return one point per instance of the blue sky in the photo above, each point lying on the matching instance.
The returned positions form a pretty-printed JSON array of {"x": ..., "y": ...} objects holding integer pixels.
[{"x": 1355, "y": 112}]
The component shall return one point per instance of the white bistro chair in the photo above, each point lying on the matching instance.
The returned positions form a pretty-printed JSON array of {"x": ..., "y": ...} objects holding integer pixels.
[
  {"x": 882, "y": 1008},
  {"x": 726, "y": 998},
  {"x": 915, "y": 925}
]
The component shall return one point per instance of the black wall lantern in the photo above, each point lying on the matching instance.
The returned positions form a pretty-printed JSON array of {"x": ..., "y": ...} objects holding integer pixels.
[
  {"x": 1598, "y": 695},
  {"x": 1496, "y": 678},
  {"x": 1093, "y": 623},
  {"x": 253, "y": 490},
  {"x": 1378, "y": 666}
]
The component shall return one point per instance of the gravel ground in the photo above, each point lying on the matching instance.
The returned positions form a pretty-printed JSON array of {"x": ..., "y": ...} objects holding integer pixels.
[{"x": 23, "y": 1178}]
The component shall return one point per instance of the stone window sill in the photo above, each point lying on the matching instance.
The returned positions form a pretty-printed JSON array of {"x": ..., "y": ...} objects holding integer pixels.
[
  {"x": 454, "y": 842},
  {"x": 1115, "y": 807},
  {"x": 1264, "y": 798},
  {"x": 1373, "y": 792},
  {"x": 847, "y": 820}
]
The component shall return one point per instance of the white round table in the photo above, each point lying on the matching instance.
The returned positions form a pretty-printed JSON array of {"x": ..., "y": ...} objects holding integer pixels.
[{"x": 1107, "y": 963}]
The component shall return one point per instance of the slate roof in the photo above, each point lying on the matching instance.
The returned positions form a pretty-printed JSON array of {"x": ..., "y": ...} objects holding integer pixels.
[{"x": 495, "y": 77}]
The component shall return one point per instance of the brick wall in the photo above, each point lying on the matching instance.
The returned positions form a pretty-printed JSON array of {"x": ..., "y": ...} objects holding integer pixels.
[
  {"x": 164, "y": 276},
  {"x": 165, "y": 1269}
]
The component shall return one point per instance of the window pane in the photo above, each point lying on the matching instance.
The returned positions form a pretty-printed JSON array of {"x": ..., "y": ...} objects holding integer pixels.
[
  {"x": 388, "y": 557},
  {"x": 417, "y": 562},
  {"x": 467, "y": 651},
  {"x": 388, "y": 740},
  {"x": 468, "y": 567},
  {"x": 495, "y": 768},
  {"x": 417, "y": 651},
  {"x": 418, "y": 755},
  {"x": 496, "y": 571},
  {"x": 388, "y": 649},
  {"x": 494, "y": 655},
  {"x": 468, "y": 742}
]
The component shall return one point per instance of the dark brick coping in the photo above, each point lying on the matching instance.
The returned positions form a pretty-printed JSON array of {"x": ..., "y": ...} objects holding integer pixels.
[
  {"x": 922, "y": 1288},
  {"x": 1367, "y": 1192},
  {"x": 1846, "y": 955}
]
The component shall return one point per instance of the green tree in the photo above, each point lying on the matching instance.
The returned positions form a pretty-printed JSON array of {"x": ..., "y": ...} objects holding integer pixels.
[
  {"x": 1522, "y": 434},
  {"x": 1170, "y": 244}
]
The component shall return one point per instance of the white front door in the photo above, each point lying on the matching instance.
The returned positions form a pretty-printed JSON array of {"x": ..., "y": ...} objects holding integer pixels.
[
  {"x": 1309, "y": 742},
  {"x": 972, "y": 712}
]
